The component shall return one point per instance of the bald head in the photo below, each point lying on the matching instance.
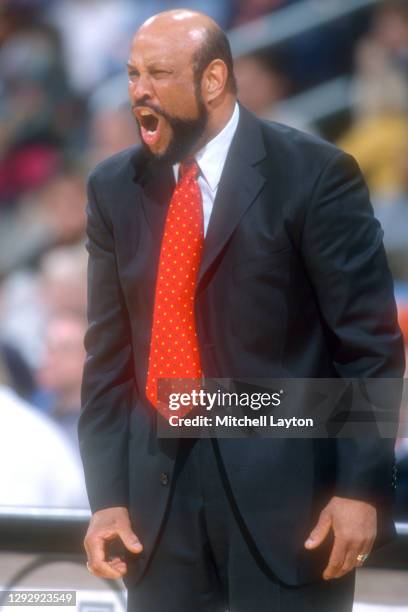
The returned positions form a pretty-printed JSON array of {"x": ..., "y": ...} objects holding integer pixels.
[
  {"x": 184, "y": 19},
  {"x": 195, "y": 34}
]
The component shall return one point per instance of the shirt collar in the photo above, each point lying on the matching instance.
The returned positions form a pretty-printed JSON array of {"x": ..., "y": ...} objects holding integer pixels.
[{"x": 211, "y": 158}]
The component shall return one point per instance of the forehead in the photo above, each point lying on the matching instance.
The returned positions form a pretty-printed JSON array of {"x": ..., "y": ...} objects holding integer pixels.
[{"x": 155, "y": 43}]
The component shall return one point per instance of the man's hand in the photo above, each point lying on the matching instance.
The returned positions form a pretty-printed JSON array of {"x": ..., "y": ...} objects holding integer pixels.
[
  {"x": 354, "y": 525},
  {"x": 107, "y": 525}
]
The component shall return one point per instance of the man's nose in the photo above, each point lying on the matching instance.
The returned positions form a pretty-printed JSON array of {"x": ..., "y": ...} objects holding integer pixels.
[{"x": 140, "y": 89}]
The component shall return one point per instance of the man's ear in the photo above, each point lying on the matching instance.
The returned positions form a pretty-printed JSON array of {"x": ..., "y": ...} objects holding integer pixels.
[{"x": 214, "y": 80}]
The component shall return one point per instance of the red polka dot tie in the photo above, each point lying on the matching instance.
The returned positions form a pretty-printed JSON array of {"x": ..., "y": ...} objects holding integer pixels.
[{"x": 174, "y": 352}]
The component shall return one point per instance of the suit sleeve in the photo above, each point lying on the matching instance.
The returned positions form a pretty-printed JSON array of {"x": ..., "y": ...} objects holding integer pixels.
[
  {"x": 108, "y": 379},
  {"x": 345, "y": 259}
]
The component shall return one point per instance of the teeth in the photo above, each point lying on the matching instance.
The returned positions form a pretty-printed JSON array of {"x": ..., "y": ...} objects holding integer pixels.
[{"x": 145, "y": 113}]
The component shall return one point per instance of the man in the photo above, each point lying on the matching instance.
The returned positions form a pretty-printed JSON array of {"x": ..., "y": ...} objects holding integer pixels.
[
  {"x": 59, "y": 374},
  {"x": 34, "y": 454},
  {"x": 263, "y": 261}
]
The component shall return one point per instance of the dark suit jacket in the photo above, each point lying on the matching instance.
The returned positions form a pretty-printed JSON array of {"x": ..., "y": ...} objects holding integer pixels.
[{"x": 293, "y": 283}]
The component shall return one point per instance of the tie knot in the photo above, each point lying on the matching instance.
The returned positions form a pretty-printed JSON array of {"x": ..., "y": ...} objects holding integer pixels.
[{"x": 188, "y": 167}]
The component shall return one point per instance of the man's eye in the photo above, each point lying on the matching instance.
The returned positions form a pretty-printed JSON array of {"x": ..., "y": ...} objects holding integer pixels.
[{"x": 160, "y": 73}]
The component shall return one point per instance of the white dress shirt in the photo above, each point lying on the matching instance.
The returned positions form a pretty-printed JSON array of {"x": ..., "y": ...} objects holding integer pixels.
[{"x": 211, "y": 159}]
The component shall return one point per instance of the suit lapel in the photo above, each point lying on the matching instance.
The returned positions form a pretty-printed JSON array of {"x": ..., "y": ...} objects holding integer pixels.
[
  {"x": 240, "y": 183},
  {"x": 157, "y": 182}
]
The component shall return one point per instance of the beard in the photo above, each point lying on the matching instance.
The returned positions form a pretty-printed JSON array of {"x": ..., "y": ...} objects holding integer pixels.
[{"x": 186, "y": 133}]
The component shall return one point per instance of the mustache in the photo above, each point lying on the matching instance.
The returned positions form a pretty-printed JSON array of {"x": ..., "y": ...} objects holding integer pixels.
[
  {"x": 146, "y": 104},
  {"x": 142, "y": 103}
]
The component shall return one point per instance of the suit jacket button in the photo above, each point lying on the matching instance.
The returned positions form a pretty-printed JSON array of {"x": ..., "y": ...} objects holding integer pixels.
[{"x": 164, "y": 479}]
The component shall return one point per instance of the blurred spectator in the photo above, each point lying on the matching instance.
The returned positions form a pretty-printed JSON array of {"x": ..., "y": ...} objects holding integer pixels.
[
  {"x": 60, "y": 373},
  {"x": 379, "y": 135},
  {"x": 50, "y": 216},
  {"x": 263, "y": 87},
  {"x": 62, "y": 207},
  {"x": 390, "y": 31},
  {"x": 111, "y": 130},
  {"x": 34, "y": 454},
  {"x": 378, "y": 142},
  {"x": 39, "y": 114},
  {"x": 391, "y": 209},
  {"x": 28, "y": 299},
  {"x": 261, "y": 84},
  {"x": 63, "y": 281}
]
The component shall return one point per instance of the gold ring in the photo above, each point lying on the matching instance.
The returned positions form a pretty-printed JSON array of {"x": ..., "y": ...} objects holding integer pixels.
[{"x": 361, "y": 558}]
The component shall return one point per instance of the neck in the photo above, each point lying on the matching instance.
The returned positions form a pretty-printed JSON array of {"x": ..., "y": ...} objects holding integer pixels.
[{"x": 218, "y": 118}]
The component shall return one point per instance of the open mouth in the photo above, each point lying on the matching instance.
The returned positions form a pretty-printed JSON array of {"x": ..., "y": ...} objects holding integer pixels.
[
  {"x": 148, "y": 121},
  {"x": 149, "y": 125}
]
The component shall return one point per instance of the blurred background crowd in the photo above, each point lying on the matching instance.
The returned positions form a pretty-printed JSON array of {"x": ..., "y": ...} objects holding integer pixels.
[{"x": 337, "y": 68}]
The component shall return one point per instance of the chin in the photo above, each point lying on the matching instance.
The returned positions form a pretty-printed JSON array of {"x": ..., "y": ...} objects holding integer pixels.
[
  {"x": 167, "y": 155},
  {"x": 154, "y": 153}
]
